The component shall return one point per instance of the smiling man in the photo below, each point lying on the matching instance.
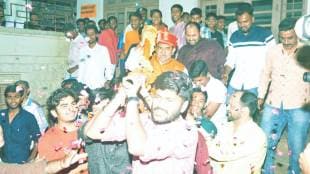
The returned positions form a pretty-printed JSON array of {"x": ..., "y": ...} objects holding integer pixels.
[
  {"x": 153, "y": 138},
  {"x": 20, "y": 128}
]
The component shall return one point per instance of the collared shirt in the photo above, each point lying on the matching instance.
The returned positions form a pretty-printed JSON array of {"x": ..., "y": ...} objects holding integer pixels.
[
  {"x": 37, "y": 112},
  {"x": 179, "y": 31},
  {"x": 209, "y": 51},
  {"x": 158, "y": 68},
  {"x": 18, "y": 135},
  {"x": 74, "y": 52},
  {"x": 287, "y": 87},
  {"x": 205, "y": 32},
  {"x": 217, "y": 93},
  {"x": 95, "y": 66},
  {"x": 242, "y": 151},
  {"x": 247, "y": 54},
  {"x": 170, "y": 148}
]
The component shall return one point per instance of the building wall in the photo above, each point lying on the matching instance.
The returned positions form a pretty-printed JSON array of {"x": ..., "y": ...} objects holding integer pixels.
[
  {"x": 39, "y": 57},
  {"x": 99, "y": 8}
]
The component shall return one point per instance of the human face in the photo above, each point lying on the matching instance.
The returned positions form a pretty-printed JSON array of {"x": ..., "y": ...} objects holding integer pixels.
[
  {"x": 289, "y": 39},
  {"x": 134, "y": 22},
  {"x": 26, "y": 91},
  {"x": 143, "y": 14},
  {"x": 66, "y": 111},
  {"x": 198, "y": 102},
  {"x": 113, "y": 24},
  {"x": 234, "y": 111},
  {"x": 13, "y": 100},
  {"x": 200, "y": 81},
  {"x": 91, "y": 33},
  {"x": 186, "y": 18},
  {"x": 176, "y": 15},
  {"x": 102, "y": 25},
  {"x": 70, "y": 35},
  {"x": 196, "y": 18},
  {"x": 221, "y": 24},
  {"x": 164, "y": 52},
  {"x": 81, "y": 27},
  {"x": 156, "y": 18},
  {"x": 192, "y": 35},
  {"x": 162, "y": 114},
  {"x": 244, "y": 22},
  {"x": 211, "y": 22}
]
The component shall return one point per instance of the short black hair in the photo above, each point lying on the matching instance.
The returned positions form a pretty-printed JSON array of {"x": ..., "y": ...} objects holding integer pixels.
[
  {"x": 70, "y": 82},
  {"x": 196, "y": 11},
  {"x": 141, "y": 9},
  {"x": 102, "y": 20},
  {"x": 176, "y": 81},
  {"x": 69, "y": 27},
  {"x": 156, "y": 11},
  {"x": 14, "y": 89},
  {"x": 201, "y": 91},
  {"x": 91, "y": 27},
  {"x": 302, "y": 56},
  {"x": 178, "y": 6},
  {"x": 102, "y": 93},
  {"x": 110, "y": 18},
  {"x": 287, "y": 24},
  {"x": 198, "y": 68},
  {"x": 80, "y": 20},
  {"x": 211, "y": 14},
  {"x": 192, "y": 24},
  {"x": 23, "y": 82},
  {"x": 221, "y": 17},
  {"x": 54, "y": 100},
  {"x": 135, "y": 14},
  {"x": 244, "y": 7},
  {"x": 249, "y": 100}
]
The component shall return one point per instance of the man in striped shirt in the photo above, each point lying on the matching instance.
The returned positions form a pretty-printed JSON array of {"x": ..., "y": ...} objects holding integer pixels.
[{"x": 246, "y": 52}]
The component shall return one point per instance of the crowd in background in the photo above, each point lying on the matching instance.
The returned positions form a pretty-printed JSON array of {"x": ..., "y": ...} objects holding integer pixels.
[{"x": 193, "y": 98}]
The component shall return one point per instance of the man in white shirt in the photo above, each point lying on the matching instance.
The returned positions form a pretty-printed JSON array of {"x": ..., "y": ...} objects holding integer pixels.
[
  {"x": 240, "y": 148},
  {"x": 77, "y": 41},
  {"x": 216, "y": 107},
  {"x": 95, "y": 67}
]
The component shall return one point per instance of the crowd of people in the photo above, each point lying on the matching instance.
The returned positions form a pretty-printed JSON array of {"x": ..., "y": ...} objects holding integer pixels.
[{"x": 192, "y": 98}]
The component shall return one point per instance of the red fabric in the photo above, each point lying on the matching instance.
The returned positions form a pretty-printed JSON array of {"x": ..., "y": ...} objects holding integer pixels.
[
  {"x": 109, "y": 39},
  {"x": 202, "y": 157}
]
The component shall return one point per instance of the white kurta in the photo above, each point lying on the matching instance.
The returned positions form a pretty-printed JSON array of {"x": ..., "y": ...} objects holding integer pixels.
[
  {"x": 95, "y": 66},
  {"x": 74, "y": 53}
]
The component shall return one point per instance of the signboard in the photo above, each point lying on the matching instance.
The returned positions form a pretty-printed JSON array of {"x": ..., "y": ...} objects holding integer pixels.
[{"x": 88, "y": 11}]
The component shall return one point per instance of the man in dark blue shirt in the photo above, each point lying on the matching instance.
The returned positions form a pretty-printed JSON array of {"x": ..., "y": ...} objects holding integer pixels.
[{"x": 20, "y": 128}]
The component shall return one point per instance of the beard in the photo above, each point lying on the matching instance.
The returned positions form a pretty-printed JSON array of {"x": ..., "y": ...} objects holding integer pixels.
[{"x": 165, "y": 117}]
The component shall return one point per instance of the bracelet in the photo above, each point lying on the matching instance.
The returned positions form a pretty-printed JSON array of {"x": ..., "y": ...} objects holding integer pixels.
[{"x": 133, "y": 99}]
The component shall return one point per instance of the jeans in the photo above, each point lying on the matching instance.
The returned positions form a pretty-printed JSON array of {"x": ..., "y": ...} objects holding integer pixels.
[
  {"x": 274, "y": 120},
  {"x": 231, "y": 90}
]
